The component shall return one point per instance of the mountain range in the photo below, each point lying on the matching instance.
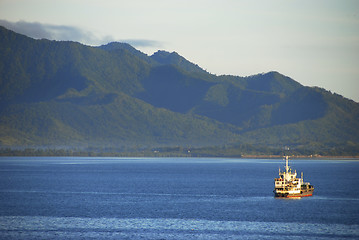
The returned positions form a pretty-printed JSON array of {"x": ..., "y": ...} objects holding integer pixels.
[{"x": 66, "y": 94}]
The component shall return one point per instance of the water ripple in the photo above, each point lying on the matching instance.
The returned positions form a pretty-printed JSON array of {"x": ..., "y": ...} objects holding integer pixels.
[{"x": 31, "y": 227}]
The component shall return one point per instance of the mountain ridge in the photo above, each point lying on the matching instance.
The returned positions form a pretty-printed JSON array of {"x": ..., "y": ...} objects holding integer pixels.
[{"x": 55, "y": 93}]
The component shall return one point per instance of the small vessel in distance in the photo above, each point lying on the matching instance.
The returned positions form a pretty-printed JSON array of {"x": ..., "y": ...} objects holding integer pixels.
[{"x": 289, "y": 186}]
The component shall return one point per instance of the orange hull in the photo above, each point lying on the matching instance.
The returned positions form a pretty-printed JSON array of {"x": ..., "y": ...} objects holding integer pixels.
[{"x": 283, "y": 195}]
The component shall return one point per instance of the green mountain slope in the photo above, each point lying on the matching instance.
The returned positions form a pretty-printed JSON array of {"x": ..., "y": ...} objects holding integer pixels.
[
  {"x": 123, "y": 121},
  {"x": 65, "y": 94},
  {"x": 85, "y": 99}
]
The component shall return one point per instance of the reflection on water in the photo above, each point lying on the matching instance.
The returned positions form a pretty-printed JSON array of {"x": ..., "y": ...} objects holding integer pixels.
[{"x": 18, "y": 227}]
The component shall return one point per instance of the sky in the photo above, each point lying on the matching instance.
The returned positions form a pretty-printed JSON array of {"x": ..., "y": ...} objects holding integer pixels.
[{"x": 314, "y": 42}]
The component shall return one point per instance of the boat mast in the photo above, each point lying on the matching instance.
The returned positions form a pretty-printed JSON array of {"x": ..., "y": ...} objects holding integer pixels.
[
  {"x": 286, "y": 175},
  {"x": 286, "y": 164}
]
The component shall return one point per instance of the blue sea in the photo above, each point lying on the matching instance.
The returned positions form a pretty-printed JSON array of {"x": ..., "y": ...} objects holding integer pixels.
[{"x": 173, "y": 198}]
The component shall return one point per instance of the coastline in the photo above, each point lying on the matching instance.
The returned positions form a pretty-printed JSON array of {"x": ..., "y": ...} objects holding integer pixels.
[{"x": 179, "y": 153}]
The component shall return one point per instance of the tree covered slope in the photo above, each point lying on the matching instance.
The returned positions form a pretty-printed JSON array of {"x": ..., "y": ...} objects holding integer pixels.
[{"x": 65, "y": 94}]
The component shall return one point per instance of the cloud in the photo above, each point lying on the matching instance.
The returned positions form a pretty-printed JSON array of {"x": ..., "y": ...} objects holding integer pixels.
[
  {"x": 52, "y": 32},
  {"x": 143, "y": 42},
  {"x": 69, "y": 33},
  {"x": 34, "y": 30}
]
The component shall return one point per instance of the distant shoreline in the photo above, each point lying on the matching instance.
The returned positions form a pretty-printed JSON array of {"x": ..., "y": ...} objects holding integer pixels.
[{"x": 157, "y": 154}]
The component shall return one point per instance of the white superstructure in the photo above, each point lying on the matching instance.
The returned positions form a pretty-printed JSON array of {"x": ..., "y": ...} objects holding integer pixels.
[{"x": 288, "y": 185}]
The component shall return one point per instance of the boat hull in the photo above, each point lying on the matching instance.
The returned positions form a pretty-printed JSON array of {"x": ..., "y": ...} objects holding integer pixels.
[{"x": 293, "y": 195}]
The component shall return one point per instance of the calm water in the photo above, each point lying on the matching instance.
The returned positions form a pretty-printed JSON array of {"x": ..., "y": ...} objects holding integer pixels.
[{"x": 178, "y": 198}]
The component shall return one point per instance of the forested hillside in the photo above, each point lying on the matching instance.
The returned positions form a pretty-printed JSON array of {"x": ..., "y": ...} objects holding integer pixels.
[{"x": 67, "y": 95}]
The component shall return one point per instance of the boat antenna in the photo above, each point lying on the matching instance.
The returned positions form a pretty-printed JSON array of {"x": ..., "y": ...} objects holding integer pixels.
[
  {"x": 286, "y": 150},
  {"x": 286, "y": 164},
  {"x": 286, "y": 156}
]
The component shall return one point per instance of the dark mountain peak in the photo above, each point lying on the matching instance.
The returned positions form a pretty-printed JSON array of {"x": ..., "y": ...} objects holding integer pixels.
[
  {"x": 114, "y": 47},
  {"x": 161, "y": 53},
  {"x": 117, "y": 45},
  {"x": 173, "y": 58},
  {"x": 164, "y": 57},
  {"x": 272, "y": 82}
]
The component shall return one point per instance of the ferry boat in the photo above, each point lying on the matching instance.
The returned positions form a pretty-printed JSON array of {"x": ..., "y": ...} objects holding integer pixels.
[{"x": 289, "y": 186}]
